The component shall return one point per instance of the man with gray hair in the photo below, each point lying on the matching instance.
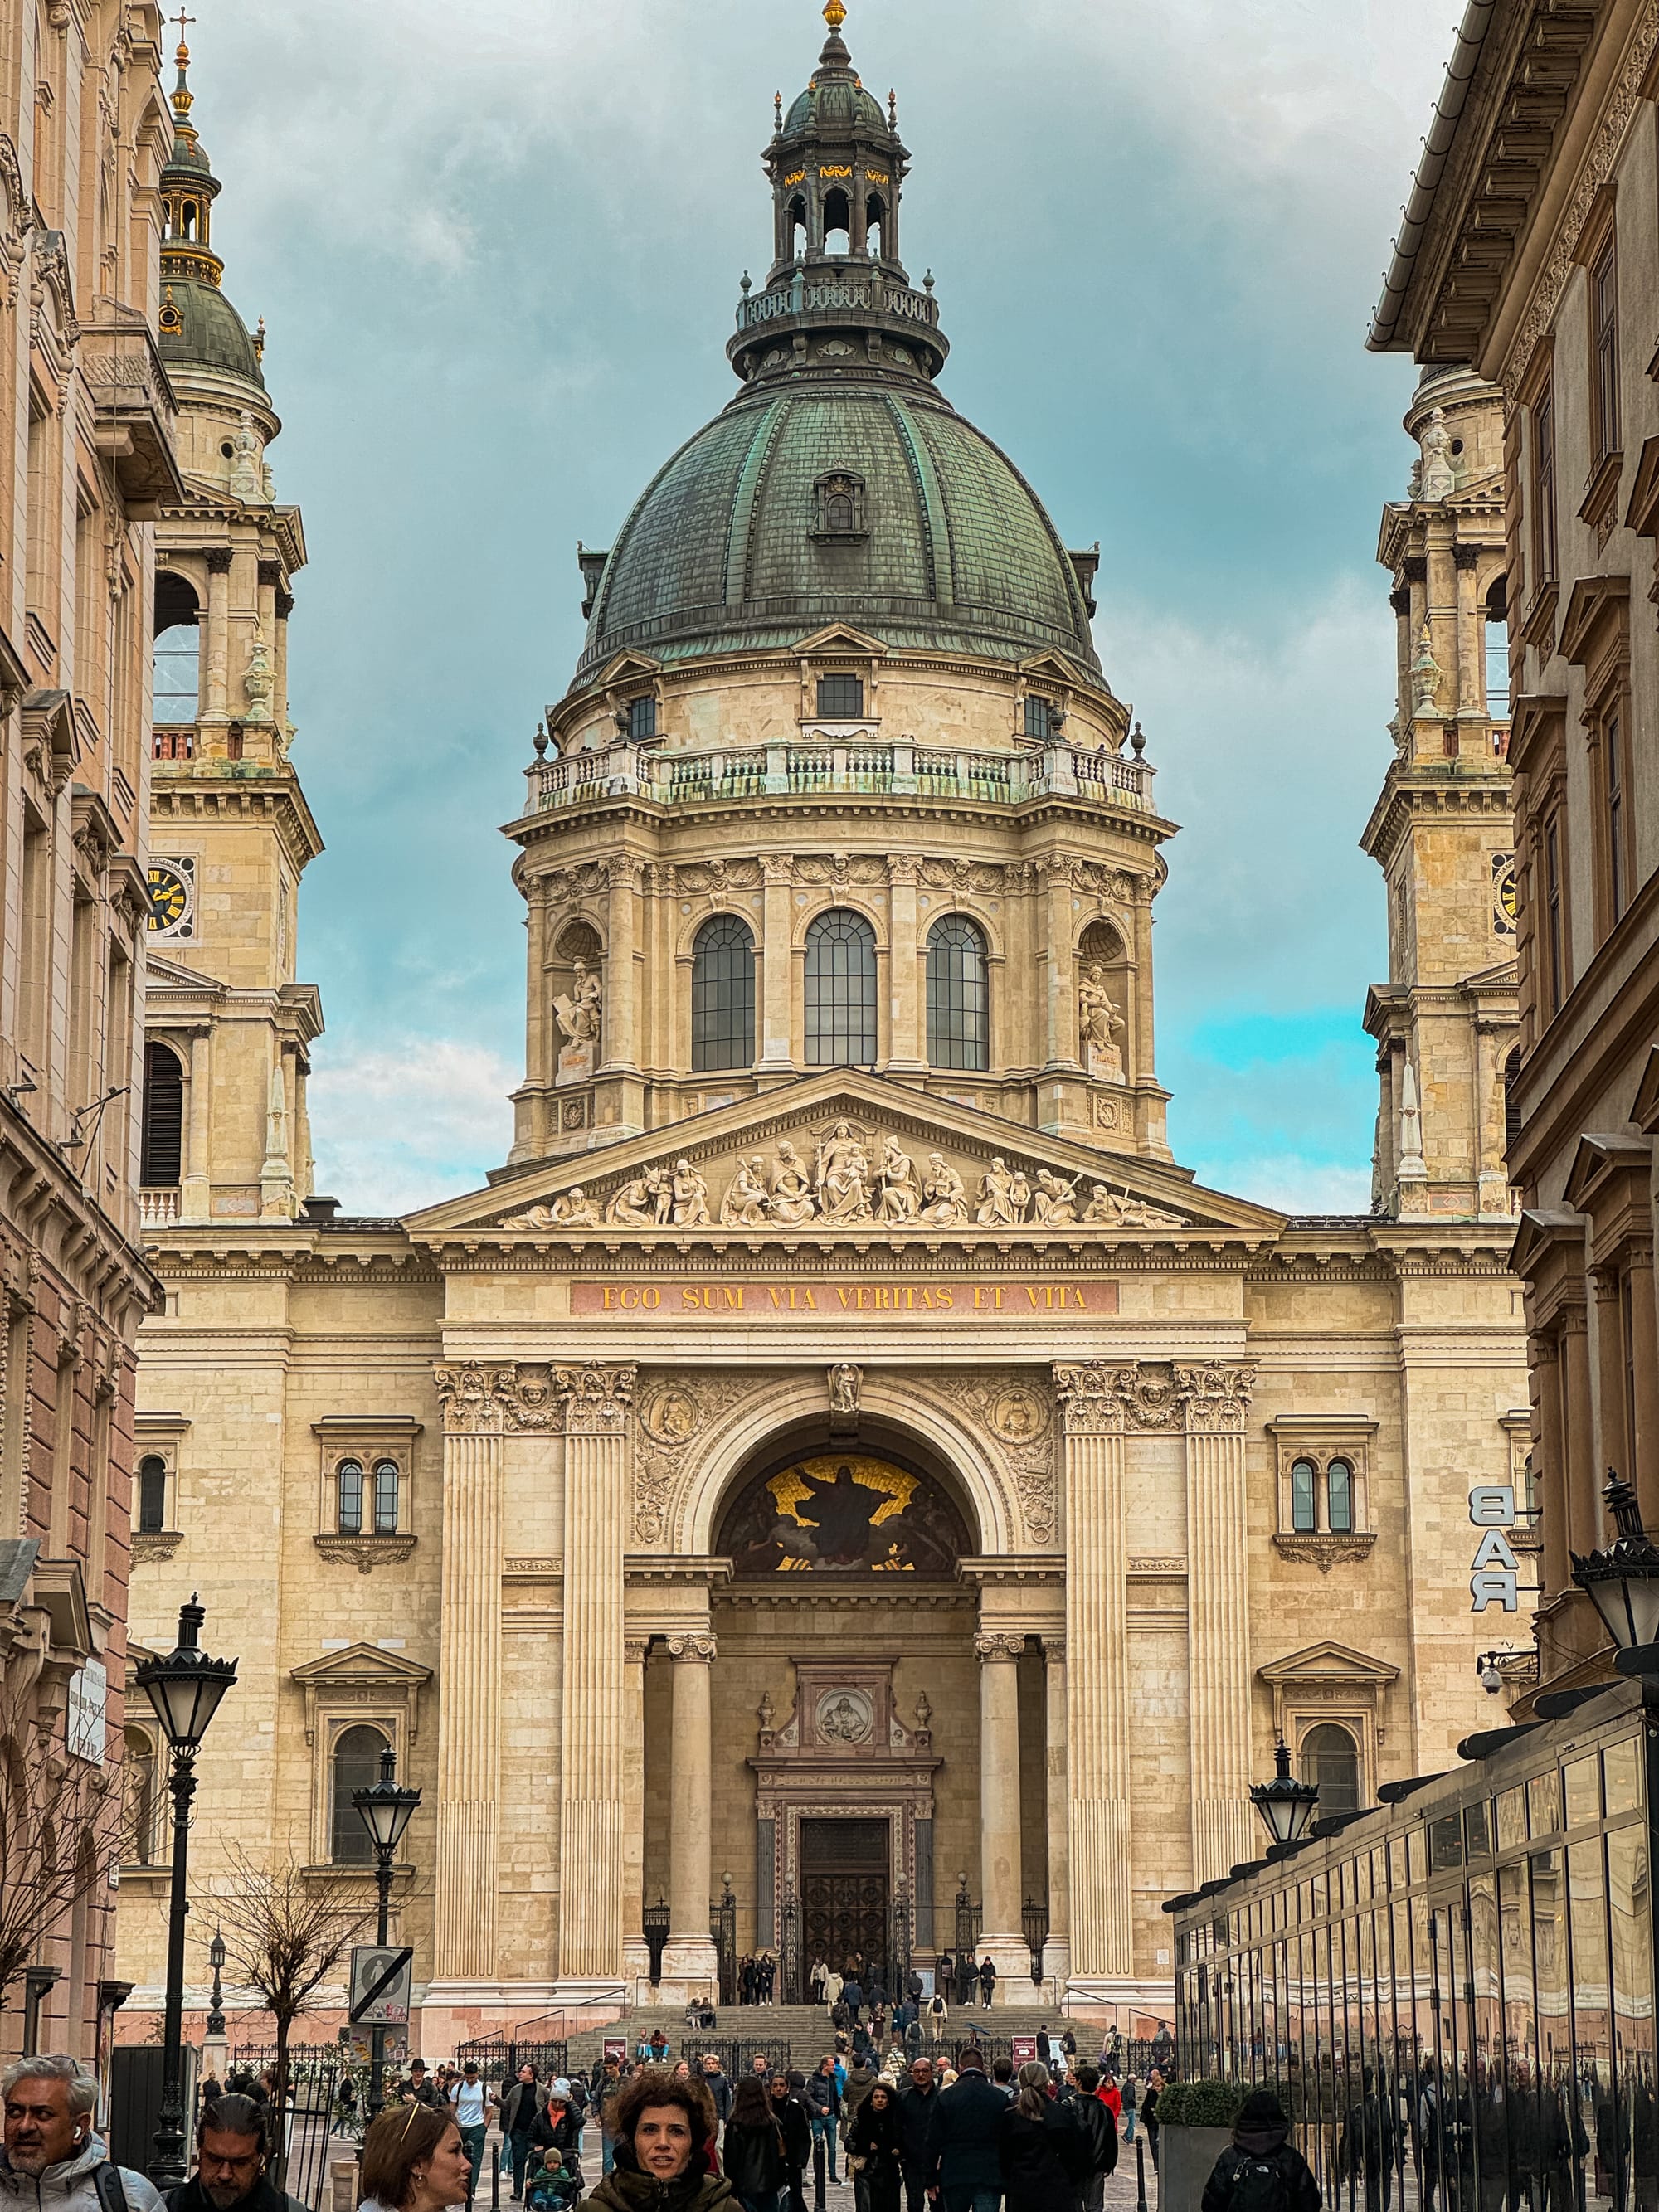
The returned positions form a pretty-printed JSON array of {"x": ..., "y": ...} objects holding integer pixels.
[{"x": 51, "y": 2159}]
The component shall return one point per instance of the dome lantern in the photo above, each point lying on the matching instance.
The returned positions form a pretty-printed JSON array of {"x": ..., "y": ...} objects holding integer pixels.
[
  {"x": 197, "y": 325},
  {"x": 837, "y": 168}
]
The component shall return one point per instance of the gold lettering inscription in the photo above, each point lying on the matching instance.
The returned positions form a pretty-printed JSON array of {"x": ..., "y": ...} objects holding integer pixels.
[{"x": 866, "y": 1298}]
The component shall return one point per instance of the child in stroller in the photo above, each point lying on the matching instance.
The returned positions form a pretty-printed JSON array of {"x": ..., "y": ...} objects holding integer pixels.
[{"x": 550, "y": 2186}]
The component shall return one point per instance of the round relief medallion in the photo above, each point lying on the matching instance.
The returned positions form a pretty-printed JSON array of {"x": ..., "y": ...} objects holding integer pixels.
[
  {"x": 845, "y": 1717},
  {"x": 1018, "y": 1416},
  {"x": 670, "y": 1415}
]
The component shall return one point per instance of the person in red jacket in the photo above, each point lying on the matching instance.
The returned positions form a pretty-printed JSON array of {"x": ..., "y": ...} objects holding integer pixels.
[{"x": 1112, "y": 2097}]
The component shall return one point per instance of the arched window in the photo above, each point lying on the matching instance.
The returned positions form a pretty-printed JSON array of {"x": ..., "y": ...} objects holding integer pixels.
[
  {"x": 348, "y": 1483},
  {"x": 152, "y": 1493},
  {"x": 1330, "y": 1760},
  {"x": 142, "y": 1804},
  {"x": 1302, "y": 1511},
  {"x": 837, "y": 221},
  {"x": 722, "y": 995},
  {"x": 176, "y": 667},
  {"x": 1497, "y": 652},
  {"x": 875, "y": 218},
  {"x": 1339, "y": 1479},
  {"x": 958, "y": 995},
  {"x": 385, "y": 1497},
  {"x": 356, "y": 1766},
  {"x": 840, "y": 698},
  {"x": 163, "y": 1151},
  {"x": 840, "y": 991},
  {"x": 797, "y": 220}
]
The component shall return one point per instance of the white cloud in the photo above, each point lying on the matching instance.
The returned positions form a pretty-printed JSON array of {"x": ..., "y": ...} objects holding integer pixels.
[{"x": 395, "y": 1128}]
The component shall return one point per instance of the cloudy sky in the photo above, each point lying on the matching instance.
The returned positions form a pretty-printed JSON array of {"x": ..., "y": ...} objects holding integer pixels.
[{"x": 497, "y": 250}]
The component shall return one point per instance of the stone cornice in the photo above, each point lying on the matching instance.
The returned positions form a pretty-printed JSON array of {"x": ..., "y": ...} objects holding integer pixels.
[
  {"x": 88, "y": 1252},
  {"x": 1410, "y": 793},
  {"x": 189, "y": 791}
]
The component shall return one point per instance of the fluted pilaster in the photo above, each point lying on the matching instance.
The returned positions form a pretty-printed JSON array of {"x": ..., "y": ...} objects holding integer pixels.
[
  {"x": 593, "y": 1787},
  {"x": 1097, "y": 1671},
  {"x": 1218, "y": 1616}
]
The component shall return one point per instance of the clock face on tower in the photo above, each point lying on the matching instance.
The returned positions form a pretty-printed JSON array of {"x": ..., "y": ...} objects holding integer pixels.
[
  {"x": 1503, "y": 902},
  {"x": 172, "y": 897}
]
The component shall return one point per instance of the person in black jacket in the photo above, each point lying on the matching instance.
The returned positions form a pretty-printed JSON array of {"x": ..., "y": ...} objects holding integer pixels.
[
  {"x": 1261, "y": 2147},
  {"x": 876, "y": 2140},
  {"x": 823, "y": 2102},
  {"x": 231, "y": 2154},
  {"x": 789, "y": 2110},
  {"x": 556, "y": 2131},
  {"x": 966, "y": 2165},
  {"x": 754, "y": 2147},
  {"x": 1100, "y": 2129},
  {"x": 917, "y": 2104},
  {"x": 1043, "y": 2152}
]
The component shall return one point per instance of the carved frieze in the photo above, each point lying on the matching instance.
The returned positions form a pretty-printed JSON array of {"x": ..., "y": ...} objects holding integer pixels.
[
  {"x": 1322, "y": 1550},
  {"x": 1208, "y": 1397},
  {"x": 366, "y": 1553},
  {"x": 531, "y": 1399},
  {"x": 671, "y": 1415}
]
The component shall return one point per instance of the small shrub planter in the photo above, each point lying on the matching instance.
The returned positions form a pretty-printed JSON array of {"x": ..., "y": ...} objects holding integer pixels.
[{"x": 1194, "y": 2127}]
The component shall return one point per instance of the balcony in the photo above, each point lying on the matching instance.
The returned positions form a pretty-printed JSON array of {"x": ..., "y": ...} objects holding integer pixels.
[
  {"x": 866, "y": 290},
  {"x": 134, "y": 412},
  {"x": 809, "y": 767},
  {"x": 158, "y": 1206}
]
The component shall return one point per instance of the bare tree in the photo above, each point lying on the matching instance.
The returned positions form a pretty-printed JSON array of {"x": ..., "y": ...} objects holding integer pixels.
[
  {"x": 285, "y": 1937},
  {"x": 63, "y": 1824}
]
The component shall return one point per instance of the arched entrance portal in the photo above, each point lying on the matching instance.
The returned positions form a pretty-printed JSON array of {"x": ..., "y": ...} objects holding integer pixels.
[{"x": 877, "y": 1732}]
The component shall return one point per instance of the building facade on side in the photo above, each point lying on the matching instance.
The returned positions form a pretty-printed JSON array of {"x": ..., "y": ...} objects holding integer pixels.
[
  {"x": 1531, "y": 251},
  {"x": 1461, "y": 1981},
  {"x": 89, "y": 415},
  {"x": 841, "y": 1455}
]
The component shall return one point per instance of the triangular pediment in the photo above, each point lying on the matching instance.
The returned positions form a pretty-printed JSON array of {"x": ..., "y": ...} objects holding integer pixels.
[
  {"x": 164, "y": 975},
  {"x": 1329, "y": 1662},
  {"x": 360, "y": 1663},
  {"x": 1600, "y": 1159},
  {"x": 1644, "y": 1111},
  {"x": 838, "y": 637},
  {"x": 628, "y": 668},
  {"x": 846, "y": 1154},
  {"x": 1505, "y": 976}
]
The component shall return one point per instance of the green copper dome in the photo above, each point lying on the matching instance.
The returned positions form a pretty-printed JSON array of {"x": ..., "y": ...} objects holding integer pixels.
[
  {"x": 208, "y": 333},
  {"x": 726, "y": 550}
]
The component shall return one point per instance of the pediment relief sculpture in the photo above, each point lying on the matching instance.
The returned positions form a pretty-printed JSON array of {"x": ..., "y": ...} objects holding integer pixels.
[{"x": 848, "y": 1175}]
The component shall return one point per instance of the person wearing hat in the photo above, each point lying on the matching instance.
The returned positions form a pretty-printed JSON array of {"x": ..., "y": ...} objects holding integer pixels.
[
  {"x": 470, "y": 2104},
  {"x": 556, "y": 2130},
  {"x": 420, "y": 2089}
]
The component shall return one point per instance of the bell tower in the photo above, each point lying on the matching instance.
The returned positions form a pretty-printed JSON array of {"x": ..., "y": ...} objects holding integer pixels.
[
  {"x": 228, "y": 1028},
  {"x": 1446, "y": 1021}
]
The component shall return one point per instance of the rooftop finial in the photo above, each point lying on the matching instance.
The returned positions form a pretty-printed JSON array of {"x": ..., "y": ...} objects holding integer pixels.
[
  {"x": 892, "y": 111},
  {"x": 834, "y": 14},
  {"x": 777, "y": 110},
  {"x": 182, "y": 97}
]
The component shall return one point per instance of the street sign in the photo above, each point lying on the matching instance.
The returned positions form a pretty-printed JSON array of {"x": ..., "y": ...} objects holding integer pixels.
[
  {"x": 616, "y": 2046},
  {"x": 380, "y": 1977},
  {"x": 1022, "y": 2049}
]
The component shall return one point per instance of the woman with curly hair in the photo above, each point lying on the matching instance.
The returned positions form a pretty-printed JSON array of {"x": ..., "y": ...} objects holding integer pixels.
[{"x": 662, "y": 2126}]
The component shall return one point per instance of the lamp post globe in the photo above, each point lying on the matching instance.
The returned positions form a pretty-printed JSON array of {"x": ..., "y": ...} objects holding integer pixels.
[
  {"x": 184, "y": 1689},
  {"x": 1286, "y": 1806},
  {"x": 386, "y": 1809}
]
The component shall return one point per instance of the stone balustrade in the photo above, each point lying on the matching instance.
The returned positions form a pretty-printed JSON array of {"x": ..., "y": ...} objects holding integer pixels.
[
  {"x": 800, "y": 294},
  {"x": 157, "y": 1205},
  {"x": 815, "y": 764}
]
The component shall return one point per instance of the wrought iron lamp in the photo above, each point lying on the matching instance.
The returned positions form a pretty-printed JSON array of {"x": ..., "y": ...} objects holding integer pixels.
[
  {"x": 185, "y": 1688},
  {"x": 386, "y": 1809},
  {"x": 1286, "y": 1806},
  {"x": 1621, "y": 1580},
  {"x": 216, "y": 2019}
]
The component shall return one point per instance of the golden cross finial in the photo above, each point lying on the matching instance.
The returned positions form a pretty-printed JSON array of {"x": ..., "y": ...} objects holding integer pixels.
[
  {"x": 183, "y": 22},
  {"x": 835, "y": 14}
]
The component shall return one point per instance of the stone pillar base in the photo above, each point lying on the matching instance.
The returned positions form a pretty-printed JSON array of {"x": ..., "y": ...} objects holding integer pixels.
[
  {"x": 691, "y": 1960},
  {"x": 1057, "y": 1962},
  {"x": 1011, "y": 1957}
]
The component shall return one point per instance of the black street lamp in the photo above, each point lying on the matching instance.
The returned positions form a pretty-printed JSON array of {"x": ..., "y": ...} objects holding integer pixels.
[
  {"x": 216, "y": 2019},
  {"x": 1286, "y": 1806},
  {"x": 185, "y": 1688},
  {"x": 1621, "y": 1580},
  {"x": 386, "y": 1809}
]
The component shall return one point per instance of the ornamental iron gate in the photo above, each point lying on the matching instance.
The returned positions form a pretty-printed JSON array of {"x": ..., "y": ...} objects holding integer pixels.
[
  {"x": 1036, "y": 1921},
  {"x": 656, "y": 1920},
  {"x": 723, "y": 1927}
]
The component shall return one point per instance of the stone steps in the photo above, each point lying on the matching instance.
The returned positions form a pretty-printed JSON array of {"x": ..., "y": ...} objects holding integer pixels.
[{"x": 802, "y": 2033}]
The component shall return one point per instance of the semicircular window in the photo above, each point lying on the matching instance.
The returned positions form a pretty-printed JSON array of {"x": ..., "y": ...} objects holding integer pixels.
[{"x": 844, "y": 1514}]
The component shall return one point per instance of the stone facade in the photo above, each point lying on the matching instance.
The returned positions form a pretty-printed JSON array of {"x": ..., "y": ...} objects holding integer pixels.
[
  {"x": 841, "y": 1454},
  {"x": 88, "y": 461},
  {"x": 1559, "y": 319}
]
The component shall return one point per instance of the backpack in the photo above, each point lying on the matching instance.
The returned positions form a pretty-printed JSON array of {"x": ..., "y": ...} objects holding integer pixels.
[{"x": 1259, "y": 2186}]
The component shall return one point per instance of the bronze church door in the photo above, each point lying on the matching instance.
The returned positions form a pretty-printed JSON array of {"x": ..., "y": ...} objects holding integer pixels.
[{"x": 844, "y": 1892}]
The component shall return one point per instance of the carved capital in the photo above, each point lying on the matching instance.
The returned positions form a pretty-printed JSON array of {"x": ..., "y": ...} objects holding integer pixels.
[
  {"x": 903, "y": 868},
  {"x": 998, "y": 1645},
  {"x": 777, "y": 867},
  {"x": 469, "y": 1401},
  {"x": 1466, "y": 557},
  {"x": 1092, "y": 1396},
  {"x": 635, "y": 1649},
  {"x": 218, "y": 559},
  {"x": 271, "y": 573},
  {"x": 1217, "y": 1396},
  {"x": 1053, "y": 1650},
  {"x": 699, "y": 1648},
  {"x": 624, "y": 874},
  {"x": 596, "y": 1399}
]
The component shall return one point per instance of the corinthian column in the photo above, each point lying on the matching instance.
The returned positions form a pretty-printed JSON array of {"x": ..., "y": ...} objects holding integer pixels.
[
  {"x": 1003, "y": 1927},
  {"x": 777, "y": 1017},
  {"x": 1057, "y": 1951},
  {"x": 595, "y": 1753},
  {"x": 1218, "y": 1616},
  {"x": 689, "y": 1956},
  {"x": 1097, "y": 1672},
  {"x": 469, "y": 1678}
]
